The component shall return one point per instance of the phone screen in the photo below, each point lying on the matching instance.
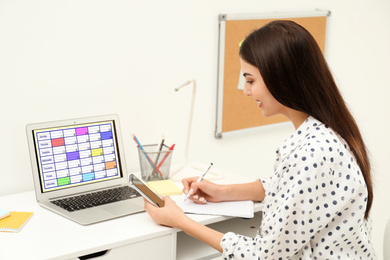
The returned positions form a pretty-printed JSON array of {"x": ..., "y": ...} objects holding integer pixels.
[{"x": 146, "y": 192}]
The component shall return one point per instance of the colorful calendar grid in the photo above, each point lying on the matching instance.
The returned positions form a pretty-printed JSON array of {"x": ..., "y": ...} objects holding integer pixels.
[{"x": 77, "y": 155}]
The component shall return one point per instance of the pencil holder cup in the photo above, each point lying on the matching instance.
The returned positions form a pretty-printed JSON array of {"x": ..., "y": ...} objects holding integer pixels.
[{"x": 155, "y": 163}]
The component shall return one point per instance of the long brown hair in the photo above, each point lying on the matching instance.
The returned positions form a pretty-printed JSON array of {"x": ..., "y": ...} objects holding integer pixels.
[{"x": 295, "y": 72}]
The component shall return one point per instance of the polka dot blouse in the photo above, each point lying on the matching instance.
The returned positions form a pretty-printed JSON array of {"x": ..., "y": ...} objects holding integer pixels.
[{"x": 314, "y": 205}]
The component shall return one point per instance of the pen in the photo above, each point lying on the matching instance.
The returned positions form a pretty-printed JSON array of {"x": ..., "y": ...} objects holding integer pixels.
[
  {"x": 160, "y": 146},
  {"x": 199, "y": 180},
  {"x": 165, "y": 157}
]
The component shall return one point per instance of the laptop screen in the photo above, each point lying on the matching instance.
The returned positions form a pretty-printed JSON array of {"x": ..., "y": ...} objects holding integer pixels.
[{"x": 77, "y": 154}]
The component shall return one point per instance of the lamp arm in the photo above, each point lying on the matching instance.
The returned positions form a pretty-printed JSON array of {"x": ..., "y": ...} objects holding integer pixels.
[{"x": 186, "y": 152}]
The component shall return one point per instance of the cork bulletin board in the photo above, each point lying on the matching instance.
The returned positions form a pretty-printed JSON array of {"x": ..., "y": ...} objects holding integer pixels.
[{"x": 235, "y": 111}]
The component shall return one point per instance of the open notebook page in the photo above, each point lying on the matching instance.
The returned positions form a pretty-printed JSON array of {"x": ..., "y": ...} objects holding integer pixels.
[{"x": 243, "y": 209}]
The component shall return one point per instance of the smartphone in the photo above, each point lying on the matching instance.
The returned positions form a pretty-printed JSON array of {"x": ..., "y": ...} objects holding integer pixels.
[{"x": 145, "y": 191}]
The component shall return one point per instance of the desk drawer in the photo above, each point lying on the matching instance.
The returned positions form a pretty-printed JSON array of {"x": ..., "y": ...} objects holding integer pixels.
[{"x": 154, "y": 248}]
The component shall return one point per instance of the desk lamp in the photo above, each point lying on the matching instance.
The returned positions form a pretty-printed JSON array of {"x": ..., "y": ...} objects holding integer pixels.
[{"x": 185, "y": 161}]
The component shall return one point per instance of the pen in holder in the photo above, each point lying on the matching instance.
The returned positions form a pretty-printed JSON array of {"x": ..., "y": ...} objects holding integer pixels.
[{"x": 155, "y": 163}]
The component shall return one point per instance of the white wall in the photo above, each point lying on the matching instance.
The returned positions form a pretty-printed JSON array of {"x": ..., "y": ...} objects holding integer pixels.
[{"x": 66, "y": 59}]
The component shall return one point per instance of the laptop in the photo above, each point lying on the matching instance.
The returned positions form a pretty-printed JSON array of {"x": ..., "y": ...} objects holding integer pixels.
[{"x": 79, "y": 169}]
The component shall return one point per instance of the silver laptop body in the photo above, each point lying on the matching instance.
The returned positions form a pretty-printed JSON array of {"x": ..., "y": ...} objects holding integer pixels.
[{"x": 80, "y": 156}]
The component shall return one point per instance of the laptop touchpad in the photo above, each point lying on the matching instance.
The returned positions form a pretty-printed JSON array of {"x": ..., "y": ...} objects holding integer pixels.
[{"x": 125, "y": 207}]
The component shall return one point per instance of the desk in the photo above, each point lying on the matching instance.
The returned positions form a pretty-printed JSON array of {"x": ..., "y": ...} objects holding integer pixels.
[{"x": 50, "y": 236}]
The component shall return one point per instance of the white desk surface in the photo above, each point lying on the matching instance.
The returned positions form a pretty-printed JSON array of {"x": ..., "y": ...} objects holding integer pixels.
[{"x": 50, "y": 236}]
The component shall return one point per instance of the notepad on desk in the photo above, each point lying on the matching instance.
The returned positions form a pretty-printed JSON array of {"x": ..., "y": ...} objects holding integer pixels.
[
  {"x": 242, "y": 209},
  {"x": 165, "y": 187},
  {"x": 14, "y": 222}
]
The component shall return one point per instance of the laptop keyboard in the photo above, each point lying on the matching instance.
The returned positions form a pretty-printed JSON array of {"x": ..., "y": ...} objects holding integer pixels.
[{"x": 96, "y": 198}]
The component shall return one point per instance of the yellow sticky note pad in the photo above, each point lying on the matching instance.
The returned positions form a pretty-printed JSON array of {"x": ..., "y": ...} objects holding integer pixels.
[{"x": 165, "y": 187}]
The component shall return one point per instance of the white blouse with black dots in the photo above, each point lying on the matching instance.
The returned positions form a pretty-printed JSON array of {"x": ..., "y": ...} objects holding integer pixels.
[{"x": 314, "y": 206}]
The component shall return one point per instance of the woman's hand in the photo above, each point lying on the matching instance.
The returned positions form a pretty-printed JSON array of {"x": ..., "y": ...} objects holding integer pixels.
[
  {"x": 170, "y": 215},
  {"x": 201, "y": 192}
]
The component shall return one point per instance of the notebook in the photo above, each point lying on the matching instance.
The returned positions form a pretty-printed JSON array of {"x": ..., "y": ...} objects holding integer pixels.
[
  {"x": 73, "y": 160},
  {"x": 242, "y": 209},
  {"x": 15, "y": 221}
]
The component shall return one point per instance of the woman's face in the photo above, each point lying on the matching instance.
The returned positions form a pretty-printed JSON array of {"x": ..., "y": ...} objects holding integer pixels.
[{"x": 255, "y": 87}]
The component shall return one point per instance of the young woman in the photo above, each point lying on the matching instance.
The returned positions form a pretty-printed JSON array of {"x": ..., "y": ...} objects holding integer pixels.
[{"x": 318, "y": 200}]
